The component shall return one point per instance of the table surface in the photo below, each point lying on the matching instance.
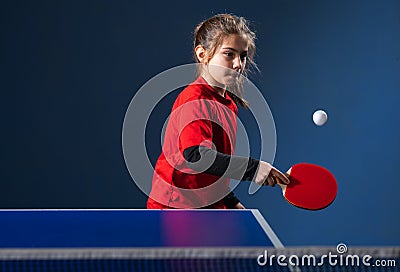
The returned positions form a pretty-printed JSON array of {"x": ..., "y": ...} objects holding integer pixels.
[{"x": 125, "y": 228}]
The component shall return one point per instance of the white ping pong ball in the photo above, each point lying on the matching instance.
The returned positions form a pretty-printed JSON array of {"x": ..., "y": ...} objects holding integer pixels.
[{"x": 320, "y": 117}]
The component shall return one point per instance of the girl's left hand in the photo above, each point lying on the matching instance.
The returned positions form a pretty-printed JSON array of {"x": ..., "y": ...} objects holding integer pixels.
[{"x": 239, "y": 206}]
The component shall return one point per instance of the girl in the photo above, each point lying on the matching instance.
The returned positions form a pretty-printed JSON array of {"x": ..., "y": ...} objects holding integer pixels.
[{"x": 197, "y": 161}]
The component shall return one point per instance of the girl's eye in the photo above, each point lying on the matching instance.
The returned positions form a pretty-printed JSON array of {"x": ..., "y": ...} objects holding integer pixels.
[
  {"x": 229, "y": 54},
  {"x": 243, "y": 57}
]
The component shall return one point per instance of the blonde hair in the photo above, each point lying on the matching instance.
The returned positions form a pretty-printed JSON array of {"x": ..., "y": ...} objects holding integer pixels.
[{"x": 210, "y": 35}]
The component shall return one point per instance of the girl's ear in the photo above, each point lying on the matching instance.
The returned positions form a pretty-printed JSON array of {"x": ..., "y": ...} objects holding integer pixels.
[{"x": 200, "y": 53}]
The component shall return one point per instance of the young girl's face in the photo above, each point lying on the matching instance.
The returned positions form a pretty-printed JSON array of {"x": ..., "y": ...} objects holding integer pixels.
[{"x": 229, "y": 60}]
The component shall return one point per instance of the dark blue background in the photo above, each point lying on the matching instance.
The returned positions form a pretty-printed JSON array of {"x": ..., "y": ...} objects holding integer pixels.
[{"x": 70, "y": 68}]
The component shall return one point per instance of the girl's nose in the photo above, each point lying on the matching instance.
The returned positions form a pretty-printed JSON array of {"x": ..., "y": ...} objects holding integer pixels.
[{"x": 237, "y": 64}]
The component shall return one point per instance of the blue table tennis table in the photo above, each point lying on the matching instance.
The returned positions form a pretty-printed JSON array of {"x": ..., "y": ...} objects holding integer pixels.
[
  {"x": 134, "y": 229},
  {"x": 133, "y": 240}
]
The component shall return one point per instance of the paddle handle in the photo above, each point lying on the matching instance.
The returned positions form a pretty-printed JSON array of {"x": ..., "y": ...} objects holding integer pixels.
[{"x": 283, "y": 186}]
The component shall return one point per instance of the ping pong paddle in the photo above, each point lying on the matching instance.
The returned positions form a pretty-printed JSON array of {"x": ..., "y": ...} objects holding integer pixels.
[{"x": 311, "y": 186}]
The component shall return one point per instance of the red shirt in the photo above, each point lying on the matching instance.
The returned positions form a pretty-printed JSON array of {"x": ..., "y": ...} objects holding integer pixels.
[{"x": 200, "y": 116}]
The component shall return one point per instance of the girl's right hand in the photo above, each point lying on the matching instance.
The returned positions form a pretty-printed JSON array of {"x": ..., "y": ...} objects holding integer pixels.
[{"x": 268, "y": 175}]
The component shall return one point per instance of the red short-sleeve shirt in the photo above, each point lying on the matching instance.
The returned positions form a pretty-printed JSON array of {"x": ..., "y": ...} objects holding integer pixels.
[{"x": 200, "y": 116}]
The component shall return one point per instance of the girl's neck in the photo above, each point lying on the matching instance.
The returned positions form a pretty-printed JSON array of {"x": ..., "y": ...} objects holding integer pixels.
[{"x": 214, "y": 84}]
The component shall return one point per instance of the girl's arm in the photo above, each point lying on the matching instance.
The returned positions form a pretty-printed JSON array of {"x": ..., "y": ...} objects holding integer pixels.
[
  {"x": 205, "y": 160},
  {"x": 209, "y": 161}
]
